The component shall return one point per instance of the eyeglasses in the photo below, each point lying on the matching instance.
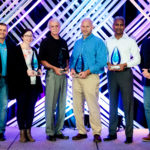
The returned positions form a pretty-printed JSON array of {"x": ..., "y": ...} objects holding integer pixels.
[{"x": 28, "y": 35}]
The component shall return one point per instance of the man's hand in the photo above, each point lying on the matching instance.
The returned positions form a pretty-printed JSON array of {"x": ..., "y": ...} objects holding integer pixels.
[
  {"x": 84, "y": 74},
  {"x": 66, "y": 70},
  {"x": 146, "y": 74},
  {"x": 30, "y": 73},
  {"x": 57, "y": 70},
  {"x": 122, "y": 67},
  {"x": 39, "y": 72},
  {"x": 49, "y": 66},
  {"x": 109, "y": 66},
  {"x": 72, "y": 73}
]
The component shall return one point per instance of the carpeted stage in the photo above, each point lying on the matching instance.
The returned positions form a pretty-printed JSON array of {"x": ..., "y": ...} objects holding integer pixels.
[{"x": 12, "y": 143}]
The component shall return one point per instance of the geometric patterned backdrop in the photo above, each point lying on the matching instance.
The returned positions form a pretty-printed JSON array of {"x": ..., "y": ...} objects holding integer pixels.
[{"x": 34, "y": 14}]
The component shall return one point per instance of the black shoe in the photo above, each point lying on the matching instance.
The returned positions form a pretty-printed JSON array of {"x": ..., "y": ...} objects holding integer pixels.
[
  {"x": 2, "y": 137},
  {"x": 128, "y": 140},
  {"x": 61, "y": 136},
  {"x": 79, "y": 136},
  {"x": 51, "y": 138},
  {"x": 97, "y": 138},
  {"x": 110, "y": 137}
]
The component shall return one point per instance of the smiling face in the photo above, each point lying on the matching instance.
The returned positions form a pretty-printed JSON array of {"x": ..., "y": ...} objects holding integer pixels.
[
  {"x": 54, "y": 27},
  {"x": 86, "y": 27},
  {"x": 118, "y": 27},
  {"x": 3, "y": 32},
  {"x": 27, "y": 37}
]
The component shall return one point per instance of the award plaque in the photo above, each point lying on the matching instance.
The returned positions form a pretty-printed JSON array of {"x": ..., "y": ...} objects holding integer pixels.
[{"x": 115, "y": 58}]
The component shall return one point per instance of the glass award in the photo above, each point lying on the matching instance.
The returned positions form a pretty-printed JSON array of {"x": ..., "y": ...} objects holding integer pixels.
[
  {"x": 79, "y": 64},
  {"x": 115, "y": 58},
  {"x": 61, "y": 61},
  {"x": 35, "y": 62}
]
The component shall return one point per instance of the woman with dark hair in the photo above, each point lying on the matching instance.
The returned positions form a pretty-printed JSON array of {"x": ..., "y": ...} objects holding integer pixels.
[{"x": 28, "y": 84}]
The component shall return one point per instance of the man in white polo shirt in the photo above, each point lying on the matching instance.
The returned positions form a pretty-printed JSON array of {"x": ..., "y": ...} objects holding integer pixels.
[{"x": 123, "y": 54}]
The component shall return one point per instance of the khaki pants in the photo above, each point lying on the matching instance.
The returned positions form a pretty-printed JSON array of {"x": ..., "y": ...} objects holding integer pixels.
[{"x": 87, "y": 89}]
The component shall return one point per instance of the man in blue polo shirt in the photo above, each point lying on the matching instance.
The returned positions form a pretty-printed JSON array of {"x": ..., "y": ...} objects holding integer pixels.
[
  {"x": 88, "y": 60},
  {"x": 6, "y": 69}
]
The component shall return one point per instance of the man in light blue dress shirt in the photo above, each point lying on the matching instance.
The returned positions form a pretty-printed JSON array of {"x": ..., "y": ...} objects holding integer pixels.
[{"x": 87, "y": 61}]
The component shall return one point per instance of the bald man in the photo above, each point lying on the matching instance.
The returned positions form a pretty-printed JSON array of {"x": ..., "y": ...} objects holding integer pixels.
[
  {"x": 87, "y": 61},
  {"x": 54, "y": 57}
]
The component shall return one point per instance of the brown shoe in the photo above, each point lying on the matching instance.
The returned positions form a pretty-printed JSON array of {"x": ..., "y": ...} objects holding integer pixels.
[
  {"x": 79, "y": 136},
  {"x": 29, "y": 136},
  {"x": 22, "y": 136},
  {"x": 146, "y": 139},
  {"x": 97, "y": 138}
]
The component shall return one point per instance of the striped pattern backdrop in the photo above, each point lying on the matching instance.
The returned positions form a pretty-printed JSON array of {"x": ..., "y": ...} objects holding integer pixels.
[{"x": 34, "y": 14}]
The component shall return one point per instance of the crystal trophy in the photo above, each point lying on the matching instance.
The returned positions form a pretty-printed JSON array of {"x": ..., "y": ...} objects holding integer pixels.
[
  {"x": 61, "y": 61},
  {"x": 115, "y": 58},
  {"x": 35, "y": 64},
  {"x": 79, "y": 64}
]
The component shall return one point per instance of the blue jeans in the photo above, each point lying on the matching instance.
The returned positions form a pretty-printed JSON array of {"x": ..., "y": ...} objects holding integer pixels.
[
  {"x": 147, "y": 104},
  {"x": 3, "y": 104}
]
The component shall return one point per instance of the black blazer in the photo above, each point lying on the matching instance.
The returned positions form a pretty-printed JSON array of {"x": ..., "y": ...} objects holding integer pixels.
[
  {"x": 11, "y": 48},
  {"x": 21, "y": 78}
]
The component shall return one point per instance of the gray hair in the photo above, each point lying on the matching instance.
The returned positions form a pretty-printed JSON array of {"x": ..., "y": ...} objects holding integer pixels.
[{"x": 52, "y": 20}]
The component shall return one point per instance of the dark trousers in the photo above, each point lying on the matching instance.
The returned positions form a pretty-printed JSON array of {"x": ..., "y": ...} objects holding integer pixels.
[
  {"x": 26, "y": 100},
  {"x": 121, "y": 82}
]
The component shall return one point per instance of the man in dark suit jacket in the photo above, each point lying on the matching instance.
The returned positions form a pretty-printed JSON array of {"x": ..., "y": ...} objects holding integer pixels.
[
  {"x": 145, "y": 68},
  {"x": 6, "y": 68}
]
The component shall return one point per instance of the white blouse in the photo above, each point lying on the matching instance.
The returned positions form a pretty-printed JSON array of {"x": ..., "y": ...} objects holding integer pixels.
[{"x": 28, "y": 53}]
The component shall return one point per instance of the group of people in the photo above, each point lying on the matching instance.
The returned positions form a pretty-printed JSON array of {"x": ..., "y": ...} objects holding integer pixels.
[{"x": 20, "y": 78}]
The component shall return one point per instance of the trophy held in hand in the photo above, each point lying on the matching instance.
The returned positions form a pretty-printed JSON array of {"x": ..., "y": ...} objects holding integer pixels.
[
  {"x": 115, "y": 59},
  {"x": 79, "y": 67}
]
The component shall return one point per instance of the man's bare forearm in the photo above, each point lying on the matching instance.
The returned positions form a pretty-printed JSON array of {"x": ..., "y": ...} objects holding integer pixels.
[{"x": 47, "y": 65}]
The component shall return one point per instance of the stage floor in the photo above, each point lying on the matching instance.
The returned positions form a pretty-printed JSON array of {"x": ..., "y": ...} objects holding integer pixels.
[{"x": 12, "y": 143}]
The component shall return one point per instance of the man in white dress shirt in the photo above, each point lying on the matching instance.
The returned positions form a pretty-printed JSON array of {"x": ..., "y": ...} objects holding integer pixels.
[{"x": 120, "y": 77}]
